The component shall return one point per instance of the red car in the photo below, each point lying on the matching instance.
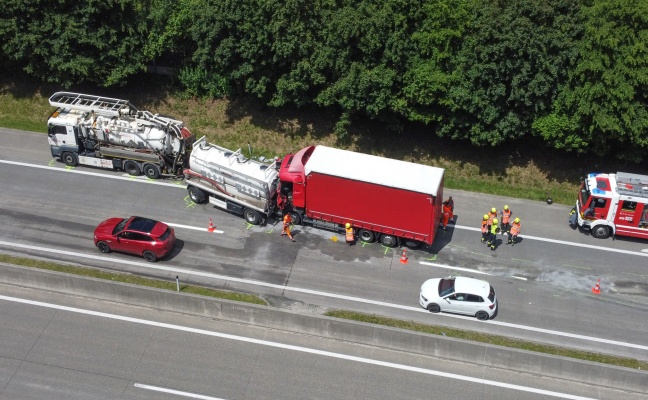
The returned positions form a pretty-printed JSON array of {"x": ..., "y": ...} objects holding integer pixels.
[{"x": 135, "y": 235}]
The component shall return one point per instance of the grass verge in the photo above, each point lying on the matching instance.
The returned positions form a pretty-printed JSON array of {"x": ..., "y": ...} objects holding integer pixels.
[
  {"x": 132, "y": 279},
  {"x": 489, "y": 339}
]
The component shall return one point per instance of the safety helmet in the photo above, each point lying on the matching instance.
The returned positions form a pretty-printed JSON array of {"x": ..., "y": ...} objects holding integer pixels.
[
  {"x": 495, "y": 221},
  {"x": 348, "y": 225},
  {"x": 505, "y": 208},
  {"x": 516, "y": 220},
  {"x": 493, "y": 210},
  {"x": 485, "y": 217}
]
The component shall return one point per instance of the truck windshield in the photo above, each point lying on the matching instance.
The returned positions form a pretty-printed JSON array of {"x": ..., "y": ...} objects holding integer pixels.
[{"x": 584, "y": 195}]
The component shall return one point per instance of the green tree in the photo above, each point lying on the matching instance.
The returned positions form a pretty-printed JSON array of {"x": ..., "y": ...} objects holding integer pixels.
[
  {"x": 604, "y": 106},
  {"x": 68, "y": 41},
  {"x": 509, "y": 67}
]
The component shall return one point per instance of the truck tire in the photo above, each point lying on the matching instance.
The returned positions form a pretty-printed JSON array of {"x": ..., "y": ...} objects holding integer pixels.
[
  {"x": 152, "y": 171},
  {"x": 601, "y": 231},
  {"x": 412, "y": 244},
  {"x": 388, "y": 240},
  {"x": 366, "y": 235},
  {"x": 70, "y": 159},
  {"x": 296, "y": 217},
  {"x": 132, "y": 168},
  {"x": 251, "y": 216},
  {"x": 196, "y": 195}
]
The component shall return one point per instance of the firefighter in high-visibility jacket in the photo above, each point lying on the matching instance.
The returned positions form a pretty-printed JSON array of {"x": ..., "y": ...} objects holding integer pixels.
[
  {"x": 484, "y": 228},
  {"x": 349, "y": 233},
  {"x": 505, "y": 217},
  {"x": 287, "y": 221},
  {"x": 514, "y": 232},
  {"x": 491, "y": 216},
  {"x": 492, "y": 238}
]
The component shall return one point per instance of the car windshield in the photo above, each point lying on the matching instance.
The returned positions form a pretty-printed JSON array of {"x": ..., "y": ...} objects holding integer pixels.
[
  {"x": 120, "y": 226},
  {"x": 446, "y": 286}
]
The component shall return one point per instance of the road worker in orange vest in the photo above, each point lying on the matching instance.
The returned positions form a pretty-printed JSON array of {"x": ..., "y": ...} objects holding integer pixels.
[
  {"x": 491, "y": 215},
  {"x": 349, "y": 233},
  {"x": 287, "y": 221},
  {"x": 447, "y": 215},
  {"x": 505, "y": 216},
  {"x": 484, "y": 228},
  {"x": 492, "y": 238},
  {"x": 514, "y": 232}
]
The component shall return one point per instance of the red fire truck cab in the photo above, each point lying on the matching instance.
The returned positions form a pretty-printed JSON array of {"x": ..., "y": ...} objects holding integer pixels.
[{"x": 614, "y": 204}]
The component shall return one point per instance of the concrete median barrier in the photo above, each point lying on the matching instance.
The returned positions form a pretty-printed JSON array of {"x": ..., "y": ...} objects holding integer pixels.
[{"x": 350, "y": 331}]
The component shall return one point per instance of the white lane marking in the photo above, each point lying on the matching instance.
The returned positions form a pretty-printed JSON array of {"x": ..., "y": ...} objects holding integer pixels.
[
  {"x": 587, "y": 246},
  {"x": 302, "y": 349},
  {"x": 472, "y": 271},
  {"x": 172, "y": 391},
  {"x": 469, "y": 228},
  {"x": 318, "y": 293},
  {"x": 74, "y": 171},
  {"x": 192, "y": 227}
]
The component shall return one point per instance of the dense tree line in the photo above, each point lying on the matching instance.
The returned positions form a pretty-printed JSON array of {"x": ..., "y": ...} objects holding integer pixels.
[{"x": 571, "y": 72}]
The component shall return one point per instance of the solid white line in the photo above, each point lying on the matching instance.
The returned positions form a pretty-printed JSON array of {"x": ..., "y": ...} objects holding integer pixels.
[
  {"x": 472, "y": 271},
  {"x": 172, "y": 391},
  {"x": 469, "y": 228},
  {"x": 297, "y": 348},
  {"x": 317, "y": 293},
  {"x": 195, "y": 228},
  {"x": 74, "y": 171},
  {"x": 587, "y": 246}
]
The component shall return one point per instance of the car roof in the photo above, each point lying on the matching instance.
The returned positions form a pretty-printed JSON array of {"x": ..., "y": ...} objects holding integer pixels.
[
  {"x": 140, "y": 224},
  {"x": 472, "y": 286}
]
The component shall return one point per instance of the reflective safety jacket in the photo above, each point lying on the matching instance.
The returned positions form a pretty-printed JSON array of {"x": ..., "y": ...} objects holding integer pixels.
[
  {"x": 484, "y": 226},
  {"x": 506, "y": 216},
  {"x": 515, "y": 228},
  {"x": 349, "y": 234},
  {"x": 491, "y": 216},
  {"x": 494, "y": 229}
]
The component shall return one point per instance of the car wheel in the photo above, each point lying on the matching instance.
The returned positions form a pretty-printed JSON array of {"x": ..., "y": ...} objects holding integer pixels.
[
  {"x": 433, "y": 308},
  {"x": 103, "y": 247},
  {"x": 196, "y": 195},
  {"x": 70, "y": 159},
  {"x": 132, "y": 168},
  {"x": 152, "y": 171},
  {"x": 601, "y": 231},
  {"x": 149, "y": 256},
  {"x": 482, "y": 316},
  {"x": 251, "y": 216},
  {"x": 366, "y": 235}
]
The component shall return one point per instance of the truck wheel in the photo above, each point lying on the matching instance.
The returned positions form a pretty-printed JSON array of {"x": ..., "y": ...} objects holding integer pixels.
[
  {"x": 196, "y": 195},
  {"x": 70, "y": 159},
  {"x": 296, "y": 217},
  {"x": 251, "y": 216},
  {"x": 412, "y": 244},
  {"x": 366, "y": 235},
  {"x": 389, "y": 240},
  {"x": 601, "y": 231},
  {"x": 152, "y": 171},
  {"x": 132, "y": 168}
]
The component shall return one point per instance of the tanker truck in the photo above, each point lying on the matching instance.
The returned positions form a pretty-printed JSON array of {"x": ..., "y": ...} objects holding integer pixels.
[
  {"x": 112, "y": 133},
  {"x": 390, "y": 201}
]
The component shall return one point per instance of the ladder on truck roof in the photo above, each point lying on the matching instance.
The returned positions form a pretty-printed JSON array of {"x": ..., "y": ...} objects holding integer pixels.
[
  {"x": 87, "y": 102},
  {"x": 632, "y": 184}
]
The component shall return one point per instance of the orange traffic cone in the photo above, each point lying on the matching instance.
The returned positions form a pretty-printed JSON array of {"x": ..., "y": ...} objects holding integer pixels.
[
  {"x": 403, "y": 259},
  {"x": 597, "y": 288},
  {"x": 211, "y": 227}
]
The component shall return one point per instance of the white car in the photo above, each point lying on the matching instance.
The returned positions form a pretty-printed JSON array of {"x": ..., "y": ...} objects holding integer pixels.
[{"x": 459, "y": 295}]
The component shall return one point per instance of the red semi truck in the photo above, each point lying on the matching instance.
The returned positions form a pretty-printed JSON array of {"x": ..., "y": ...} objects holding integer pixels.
[{"x": 390, "y": 201}]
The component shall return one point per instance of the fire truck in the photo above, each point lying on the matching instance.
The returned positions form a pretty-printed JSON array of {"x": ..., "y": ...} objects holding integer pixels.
[
  {"x": 613, "y": 204},
  {"x": 111, "y": 133}
]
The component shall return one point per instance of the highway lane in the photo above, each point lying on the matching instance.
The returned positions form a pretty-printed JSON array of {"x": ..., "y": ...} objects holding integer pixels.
[
  {"x": 64, "y": 347},
  {"x": 60, "y": 209}
]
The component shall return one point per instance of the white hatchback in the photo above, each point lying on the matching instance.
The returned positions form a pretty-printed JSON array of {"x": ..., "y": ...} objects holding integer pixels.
[{"x": 459, "y": 295}]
